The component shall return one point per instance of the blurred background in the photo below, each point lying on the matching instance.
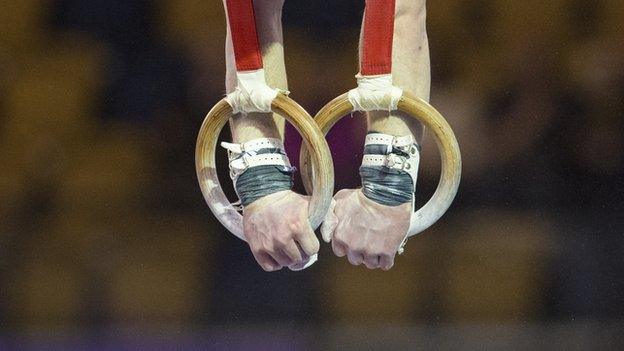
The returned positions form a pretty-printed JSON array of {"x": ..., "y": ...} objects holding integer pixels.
[{"x": 106, "y": 242}]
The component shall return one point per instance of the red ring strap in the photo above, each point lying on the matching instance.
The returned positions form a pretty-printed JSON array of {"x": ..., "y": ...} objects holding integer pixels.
[
  {"x": 242, "y": 20},
  {"x": 377, "y": 37}
]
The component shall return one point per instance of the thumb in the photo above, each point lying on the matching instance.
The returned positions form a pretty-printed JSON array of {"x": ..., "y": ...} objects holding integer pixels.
[
  {"x": 305, "y": 264},
  {"x": 330, "y": 223}
]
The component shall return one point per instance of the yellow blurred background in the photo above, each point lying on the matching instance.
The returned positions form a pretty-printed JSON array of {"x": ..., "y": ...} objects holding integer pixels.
[{"x": 105, "y": 241}]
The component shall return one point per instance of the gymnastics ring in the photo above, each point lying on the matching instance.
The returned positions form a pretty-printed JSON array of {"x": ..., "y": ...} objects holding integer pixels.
[
  {"x": 205, "y": 165},
  {"x": 443, "y": 135}
]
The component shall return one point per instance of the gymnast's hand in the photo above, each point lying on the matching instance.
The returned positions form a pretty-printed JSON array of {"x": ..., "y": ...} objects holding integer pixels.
[
  {"x": 278, "y": 232},
  {"x": 365, "y": 231}
]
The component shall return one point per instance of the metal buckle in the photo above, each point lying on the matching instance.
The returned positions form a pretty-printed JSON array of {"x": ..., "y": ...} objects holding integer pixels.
[
  {"x": 394, "y": 160},
  {"x": 403, "y": 143},
  {"x": 238, "y": 166}
]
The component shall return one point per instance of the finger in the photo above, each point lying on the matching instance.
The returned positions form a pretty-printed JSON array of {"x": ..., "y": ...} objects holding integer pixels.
[
  {"x": 339, "y": 248},
  {"x": 304, "y": 255},
  {"x": 280, "y": 257},
  {"x": 338, "y": 243},
  {"x": 266, "y": 261},
  {"x": 386, "y": 262},
  {"x": 308, "y": 242},
  {"x": 371, "y": 261},
  {"x": 329, "y": 223},
  {"x": 291, "y": 250},
  {"x": 355, "y": 257},
  {"x": 307, "y": 262}
]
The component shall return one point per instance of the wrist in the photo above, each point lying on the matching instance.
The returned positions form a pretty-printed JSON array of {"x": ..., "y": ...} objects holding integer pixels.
[
  {"x": 389, "y": 168},
  {"x": 394, "y": 123},
  {"x": 256, "y": 125},
  {"x": 258, "y": 182},
  {"x": 258, "y": 168}
]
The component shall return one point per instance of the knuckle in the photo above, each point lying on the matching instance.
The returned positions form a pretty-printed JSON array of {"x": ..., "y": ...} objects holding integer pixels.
[
  {"x": 338, "y": 250},
  {"x": 390, "y": 246},
  {"x": 309, "y": 238},
  {"x": 368, "y": 253},
  {"x": 257, "y": 249},
  {"x": 357, "y": 249},
  {"x": 253, "y": 246},
  {"x": 371, "y": 261},
  {"x": 375, "y": 253},
  {"x": 292, "y": 226},
  {"x": 281, "y": 241},
  {"x": 344, "y": 244},
  {"x": 263, "y": 248},
  {"x": 270, "y": 268},
  {"x": 338, "y": 239},
  {"x": 276, "y": 246},
  {"x": 355, "y": 262},
  {"x": 389, "y": 254},
  {"x": 295, "y": 223},
  {"x": 316, "y": 245},
  {"x": 356, "y": 256},
  {"x": 389, "y": 263},
  {"x": 266, "y": 265}
]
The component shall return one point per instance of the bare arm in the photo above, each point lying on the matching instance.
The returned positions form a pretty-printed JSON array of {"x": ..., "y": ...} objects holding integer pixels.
[
  {"x": 269, "y": 27},
  {"x": 410, "y": 67}
]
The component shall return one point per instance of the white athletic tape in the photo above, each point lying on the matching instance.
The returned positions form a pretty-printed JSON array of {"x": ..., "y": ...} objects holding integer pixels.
[
  {"x": 375, "y": 93},
  {"x": 252, "y": 94}
]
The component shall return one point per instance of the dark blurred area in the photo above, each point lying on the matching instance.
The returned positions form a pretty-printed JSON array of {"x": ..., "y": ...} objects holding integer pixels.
[{"x": 107, "y": 243}]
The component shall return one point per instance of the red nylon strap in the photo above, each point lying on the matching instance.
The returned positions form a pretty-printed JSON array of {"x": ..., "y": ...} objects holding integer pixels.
[
  {"x": 242, "y": 21},
  {"x": 377, "y": 37}
]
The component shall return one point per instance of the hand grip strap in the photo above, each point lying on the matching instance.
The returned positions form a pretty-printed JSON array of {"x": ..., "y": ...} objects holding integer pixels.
[
  {"x": 377, "y": 36},
  {"x": 242, "y": 20}
]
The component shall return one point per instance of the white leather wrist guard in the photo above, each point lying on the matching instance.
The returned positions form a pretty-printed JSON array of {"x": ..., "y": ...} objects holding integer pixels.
[
  {"x": 247, "y": 155},
  {"x": 406, "y": 144},
  {"x": 251, "y": 157}
]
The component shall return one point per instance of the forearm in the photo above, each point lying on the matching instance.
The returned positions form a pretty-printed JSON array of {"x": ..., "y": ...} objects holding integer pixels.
[
  {"x": 269, "y": 26},
  {"x": 410, "y": 67}
]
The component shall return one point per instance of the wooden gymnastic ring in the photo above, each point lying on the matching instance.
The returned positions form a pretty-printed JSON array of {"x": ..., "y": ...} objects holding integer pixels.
[
  {"x": 443, "y": 135},
  {"x": 205, "y": 166}
]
